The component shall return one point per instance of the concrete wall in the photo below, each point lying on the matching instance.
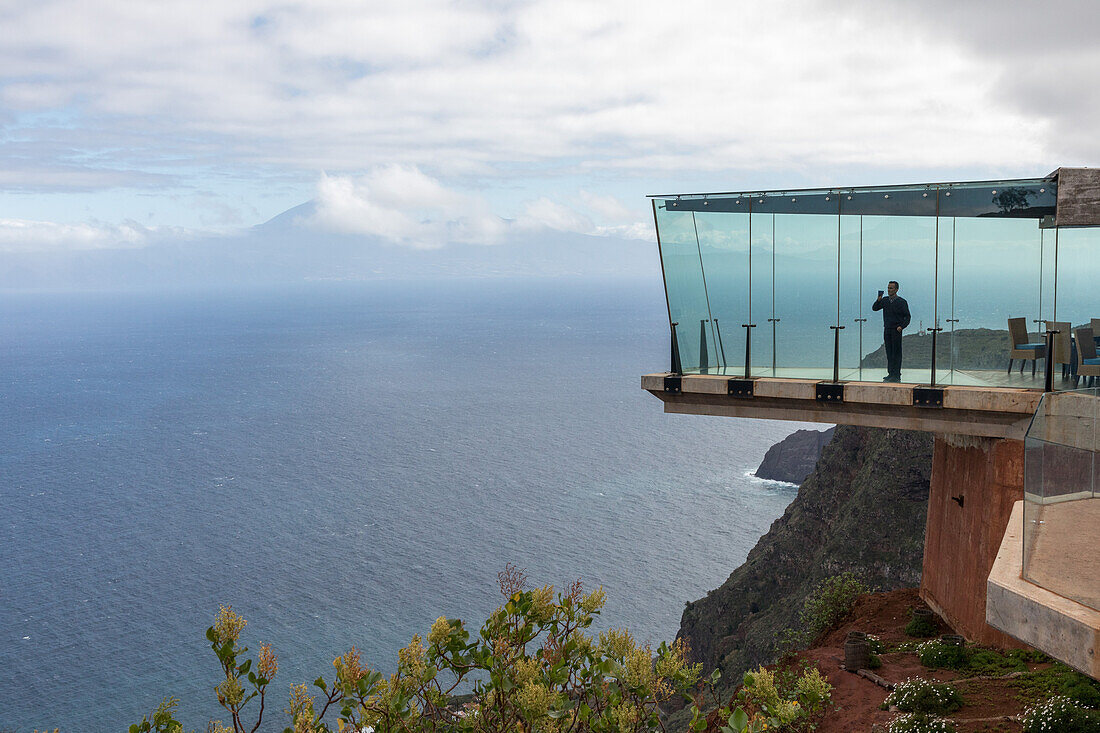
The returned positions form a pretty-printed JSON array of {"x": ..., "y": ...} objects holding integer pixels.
[{"x": 961, "y": 542}]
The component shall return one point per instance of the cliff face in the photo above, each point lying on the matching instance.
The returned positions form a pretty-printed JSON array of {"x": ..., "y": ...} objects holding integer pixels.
[
  {"x": 862, "y": 509},
  {"x": 793, "y": 458}
]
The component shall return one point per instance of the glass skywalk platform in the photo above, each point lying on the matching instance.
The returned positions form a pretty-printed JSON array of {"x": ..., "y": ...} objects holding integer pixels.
[{"x": 781, "y": 283}]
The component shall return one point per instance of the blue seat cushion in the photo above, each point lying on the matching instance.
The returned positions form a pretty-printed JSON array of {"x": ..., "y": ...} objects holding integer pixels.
[
  {"x": 1029, "y": 346},
  {"x": 1091, "y": 362}
]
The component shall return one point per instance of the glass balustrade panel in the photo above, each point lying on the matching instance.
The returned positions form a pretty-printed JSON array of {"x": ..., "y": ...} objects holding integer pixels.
[
  {"x": 948, "y": 343},
  {"x": 805, "y": 294},
  {"x": 683, "y": 273},
  {"x": 1061, "y": 510},
  {"x": 862, "y": 328},
  {"x": 1078, "y": 255},
  {"x": 724, "y": 253},
  {"x": 996, "y": 275},
  {"x": 763, "y": 297},
  {"x": 898, "y": 244},
  {"x": 999, "y": 253}
]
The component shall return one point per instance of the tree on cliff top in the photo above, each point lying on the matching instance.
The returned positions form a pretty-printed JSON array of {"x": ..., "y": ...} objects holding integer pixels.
[{"x": 533, "y": 667}]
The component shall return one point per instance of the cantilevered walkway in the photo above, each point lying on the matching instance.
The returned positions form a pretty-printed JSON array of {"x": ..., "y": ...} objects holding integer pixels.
[{"x": 769, "y": 299}]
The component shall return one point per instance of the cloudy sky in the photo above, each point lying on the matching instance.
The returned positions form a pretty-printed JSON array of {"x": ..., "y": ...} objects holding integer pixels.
[{"x": 424, "y": 121}]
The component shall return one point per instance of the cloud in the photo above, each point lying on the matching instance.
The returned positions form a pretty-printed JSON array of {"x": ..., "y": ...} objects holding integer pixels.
[
  {"x": 607, "y": 206},
  {"x": 20, "y": 235},
  {"x": 403, "y": 205},
  {"x": 1038, "y": 59},
  {"x": 544, "y": 213},
  {"x": 504, "y": 101},
  {"x": 509, "y": 88}
]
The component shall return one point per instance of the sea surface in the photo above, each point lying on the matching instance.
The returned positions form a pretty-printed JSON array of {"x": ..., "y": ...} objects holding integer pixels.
[{"x": 343, "y": 463}]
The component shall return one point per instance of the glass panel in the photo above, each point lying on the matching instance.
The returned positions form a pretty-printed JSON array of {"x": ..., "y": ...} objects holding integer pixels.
[
  {"x": 967, "y": 256},
  {"x": 862, "y": 333},
  {"x": 1061, "y": 511},
  {"x": 687, "y": 302},
  {"x": 1064, "y": 353},
  {"x": 724, "y": 250},
  {"x": 1020, "y": 199},
  {"x": 765, "y": 335},
  {"x": 1078, "y": 276},
  {"x": 900, "y": 248},
  {"x": 949, "y": 342},
  {"x": 996, "y": 276},
  {"x": 806, "y": 294}
]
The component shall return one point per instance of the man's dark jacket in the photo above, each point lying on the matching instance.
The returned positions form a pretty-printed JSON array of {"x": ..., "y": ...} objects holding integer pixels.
[{"x": 894, "y": 312}]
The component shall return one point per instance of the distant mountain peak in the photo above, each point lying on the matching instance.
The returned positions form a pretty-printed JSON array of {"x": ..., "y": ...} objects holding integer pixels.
[{"x": 289, "y": 218}]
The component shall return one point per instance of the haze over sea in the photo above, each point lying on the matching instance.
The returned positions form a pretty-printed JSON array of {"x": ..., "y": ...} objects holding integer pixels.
[{"x": 343, "y": 463}]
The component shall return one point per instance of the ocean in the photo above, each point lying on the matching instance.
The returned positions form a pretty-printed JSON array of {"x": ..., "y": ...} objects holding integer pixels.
[{"x": 342, "y": 462}]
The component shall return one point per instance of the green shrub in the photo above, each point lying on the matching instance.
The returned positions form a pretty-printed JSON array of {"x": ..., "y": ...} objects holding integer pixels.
[
  {"x": 937, "y": 655},
  {"x": 917, "y": 695},
  {"x": 813, "y": 691},
  {"x": 920, "y": 723},
  {"x": 1059, "y": 680},
  {"x": 829, "y": 602},
  {"x": 1060, "y": 715},
  {"x": 781, "y": 700},
  {"x": 1083, "y": 691},
  {"x": 532, "y": 665},
  {"x": 921, "y": 628},
  {"x": 988, "y": 663},
  {"x": 1027, "y": 655}
]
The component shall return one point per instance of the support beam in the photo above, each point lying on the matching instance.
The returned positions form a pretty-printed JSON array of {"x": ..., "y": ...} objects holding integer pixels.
[{"x": 975, "y": 482}]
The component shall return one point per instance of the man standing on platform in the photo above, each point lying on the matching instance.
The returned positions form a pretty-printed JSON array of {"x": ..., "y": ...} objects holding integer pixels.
[{"x": 895, "y": 317}]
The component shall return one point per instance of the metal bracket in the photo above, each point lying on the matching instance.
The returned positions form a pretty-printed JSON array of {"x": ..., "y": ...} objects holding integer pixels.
[
  {"x": 740, "y": 388},
  {"x": 927, "y": 396},
  {"x": 673, "y": 385},
  {"x": 830, "y": 391}
]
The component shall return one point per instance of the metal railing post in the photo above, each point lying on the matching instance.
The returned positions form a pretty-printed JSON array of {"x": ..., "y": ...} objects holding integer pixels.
[
  {"x": 836, "y": 352},
  {"x": 748, "y": 346},
  {"x": 861, "y": 321},
  {"x": 704, "y": 354},
  {"x": 936, "y": 330},
  {"x": 773, "y": 321},
  {"x": 1048, "y": 383},
  {"x": 721, "y": 348},
  {"x": 676, "y": 367}
]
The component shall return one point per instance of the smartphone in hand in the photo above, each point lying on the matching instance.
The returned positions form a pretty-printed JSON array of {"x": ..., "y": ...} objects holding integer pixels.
[{"x": 880, "y": 294}]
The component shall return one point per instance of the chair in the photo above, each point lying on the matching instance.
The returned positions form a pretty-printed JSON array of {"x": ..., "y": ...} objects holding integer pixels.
[
  {"x": 1088, "y": 365},
  {"x": 1021, "y": 349},
  {"x": 1063, "y": 346}
]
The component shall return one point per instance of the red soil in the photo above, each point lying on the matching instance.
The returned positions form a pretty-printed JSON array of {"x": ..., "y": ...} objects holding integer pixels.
[{"x": 990, "y": 704}]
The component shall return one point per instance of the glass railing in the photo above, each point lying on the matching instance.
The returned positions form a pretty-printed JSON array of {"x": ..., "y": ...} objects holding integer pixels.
[
  {"x": 1062, "y": 506},
  {"x": 783, "y": 283}
]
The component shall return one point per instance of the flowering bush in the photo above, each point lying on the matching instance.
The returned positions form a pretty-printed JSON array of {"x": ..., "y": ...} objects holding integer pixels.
[
  {"x": 937, "y": 655},
  {"x": 1060, "y": 715},
  {"x": 760, "y": 689},
  {"x": 920, "y": 723},
  {"x": 917, "y": 695},
  {"x": 532, "y": 666}
]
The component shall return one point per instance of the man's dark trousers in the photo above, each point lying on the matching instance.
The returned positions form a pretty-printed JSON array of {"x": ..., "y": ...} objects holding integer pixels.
[{"x": 891, "y": 339}]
